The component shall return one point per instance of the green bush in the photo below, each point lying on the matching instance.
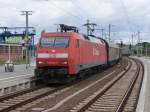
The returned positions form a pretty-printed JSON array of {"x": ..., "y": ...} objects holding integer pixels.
[
  {"x": 20, "y": 61},
  {"x": 1, "y": 62}
]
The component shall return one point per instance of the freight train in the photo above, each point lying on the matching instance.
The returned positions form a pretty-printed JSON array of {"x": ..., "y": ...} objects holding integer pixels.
[{"x": 62, "y": 56}]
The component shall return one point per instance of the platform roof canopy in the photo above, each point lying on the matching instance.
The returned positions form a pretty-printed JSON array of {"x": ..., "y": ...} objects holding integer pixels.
[{"x": 15, "y": 34}]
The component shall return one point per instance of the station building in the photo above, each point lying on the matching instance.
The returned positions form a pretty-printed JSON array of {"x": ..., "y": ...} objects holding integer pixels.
[
  {"x": 13, "y": 44},
  {"x": 16, "y": 52}
]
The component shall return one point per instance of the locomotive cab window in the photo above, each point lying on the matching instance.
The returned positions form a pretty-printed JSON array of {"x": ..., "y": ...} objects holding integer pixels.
[
  {"x": 61, "y": 42},
  {"x": 54, "y": 42},
  {"x": 47, "y": 42}
]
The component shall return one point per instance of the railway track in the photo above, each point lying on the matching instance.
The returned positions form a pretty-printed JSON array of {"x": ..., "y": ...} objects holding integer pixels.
[
  {"x": 121, "y": 94},
  {"x": 132, "y": 101},
  {"x": 19, "y": 99},
  {"x": 14, "y": 101},
  {"x": 71, "y": 99}
]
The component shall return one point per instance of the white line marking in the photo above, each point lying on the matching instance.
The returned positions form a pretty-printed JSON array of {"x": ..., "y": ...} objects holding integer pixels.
[
  {"x": 142, "y": 97},
  {"x": 78, "y": 92},
  {"x": 147, "y": 60},
  {"x": 15, "y": 77}
]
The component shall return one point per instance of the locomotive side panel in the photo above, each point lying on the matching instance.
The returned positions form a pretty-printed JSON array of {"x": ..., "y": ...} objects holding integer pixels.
[{"x": 92, "y": 54}]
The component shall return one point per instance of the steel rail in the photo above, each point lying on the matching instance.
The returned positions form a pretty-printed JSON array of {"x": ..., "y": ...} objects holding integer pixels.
[
  {"x": 129, "y": 90},
  {"x": 85, "y": 107}
]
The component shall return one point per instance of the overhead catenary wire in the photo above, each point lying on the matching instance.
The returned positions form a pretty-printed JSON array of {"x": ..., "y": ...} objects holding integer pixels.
[
  {"x": 72, "y": 14},
  {"x": 132, "y": 26},
  {"x": 80, "y": 18},
  {"x": 126, "y": 14},
  {"x": 81, "y": 9},
  {"x": 67, "y": 12},
  {"x": 53, "y": 4}
]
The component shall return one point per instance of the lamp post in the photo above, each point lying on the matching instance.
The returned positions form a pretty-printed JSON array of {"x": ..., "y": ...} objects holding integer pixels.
[{"x": 27, "y": 13}]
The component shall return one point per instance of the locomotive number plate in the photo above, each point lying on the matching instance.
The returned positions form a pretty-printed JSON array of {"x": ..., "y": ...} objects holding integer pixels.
[{"x": 52, "y": 55}]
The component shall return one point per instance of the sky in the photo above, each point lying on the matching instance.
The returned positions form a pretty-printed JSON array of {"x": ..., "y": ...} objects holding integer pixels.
[{"x": 126, "y": 17}]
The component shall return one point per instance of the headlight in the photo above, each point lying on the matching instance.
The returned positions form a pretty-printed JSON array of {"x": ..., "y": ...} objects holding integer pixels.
[
  {"x": 40, "y": 62},
  {"x": 65, "y": 62}
]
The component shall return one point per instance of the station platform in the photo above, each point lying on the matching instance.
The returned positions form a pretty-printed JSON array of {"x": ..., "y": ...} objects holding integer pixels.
[
  {"x": 144, "y": 99},
  {"x": 20, "y": 78},
  {"x": 18, "y": 70}
]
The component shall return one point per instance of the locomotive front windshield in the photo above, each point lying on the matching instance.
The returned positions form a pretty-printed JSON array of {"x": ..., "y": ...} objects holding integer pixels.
[{"x": 54, "y": 42}]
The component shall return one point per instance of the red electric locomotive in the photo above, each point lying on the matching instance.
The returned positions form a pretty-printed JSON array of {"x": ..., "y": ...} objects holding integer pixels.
[{"x": 61, "y": 56}]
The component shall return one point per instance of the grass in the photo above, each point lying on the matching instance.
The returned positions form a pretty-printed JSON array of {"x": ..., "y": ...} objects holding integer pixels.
[
  {"x": 16, "y": 62},
  {"x": 2, "y": 62},
  {"x": 19, "y": 62}
]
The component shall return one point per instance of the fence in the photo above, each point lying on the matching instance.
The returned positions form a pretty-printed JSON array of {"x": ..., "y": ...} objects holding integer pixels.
[{"x": 16, "y": 52}]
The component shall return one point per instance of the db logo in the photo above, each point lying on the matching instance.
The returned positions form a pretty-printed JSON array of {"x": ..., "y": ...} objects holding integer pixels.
[
  {"x": 95, "y": 52},
  {"x": 53, "y": 50}
]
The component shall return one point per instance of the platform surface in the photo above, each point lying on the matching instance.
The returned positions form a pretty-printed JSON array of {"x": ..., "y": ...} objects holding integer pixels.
[
  {"x": 20, "y": 74},
  {"x": 144, "y": 99},
  {"x": 18, "y": 70}
]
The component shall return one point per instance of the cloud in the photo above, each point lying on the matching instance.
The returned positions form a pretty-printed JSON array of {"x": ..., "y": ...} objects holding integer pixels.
[{"x": 127, "y": 16}]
